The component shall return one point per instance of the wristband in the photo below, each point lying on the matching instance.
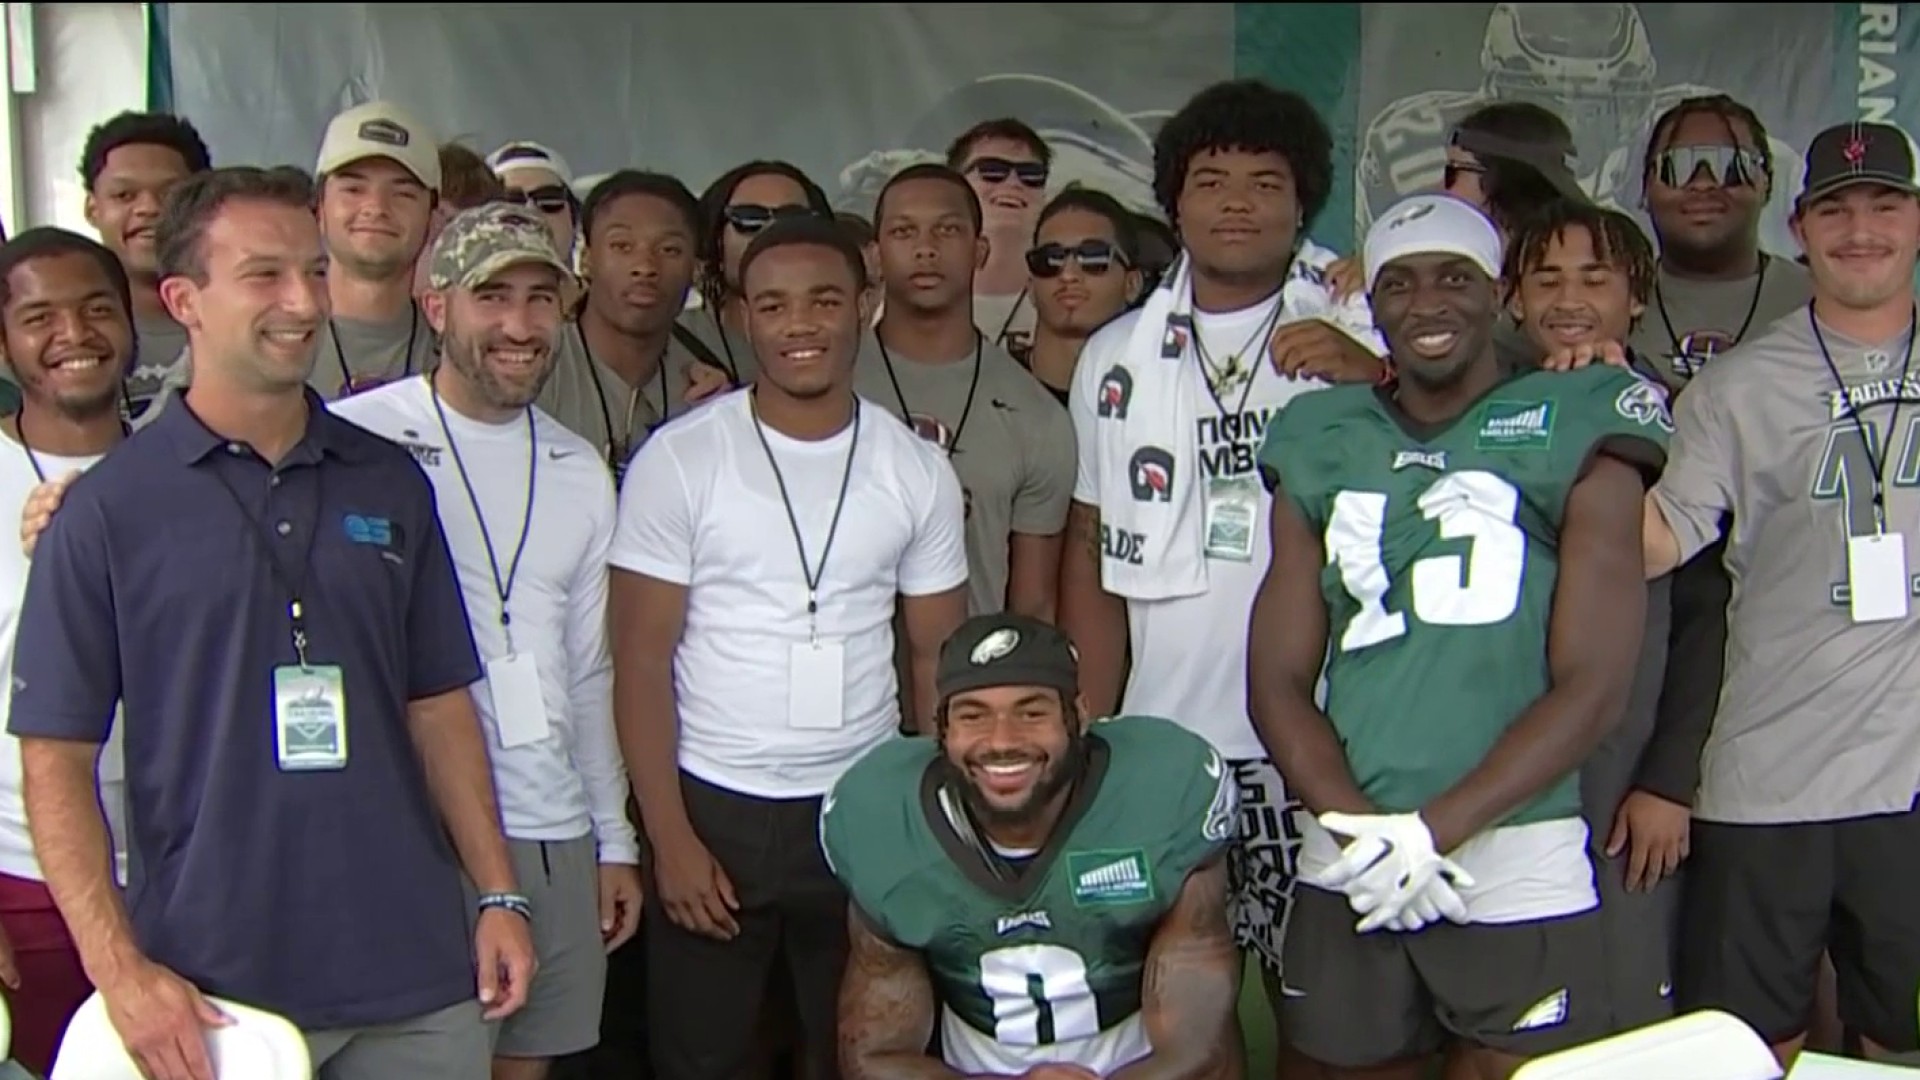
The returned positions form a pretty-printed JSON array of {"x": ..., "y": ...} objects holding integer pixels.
[{"x": 513, "y": 902}]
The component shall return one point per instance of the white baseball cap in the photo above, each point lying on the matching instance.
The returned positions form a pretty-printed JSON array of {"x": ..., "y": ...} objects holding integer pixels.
[
  {"x": 515, "y": 156},
  {"x": 381, "y": 129},
  {"x": 1432, "y": 225}
]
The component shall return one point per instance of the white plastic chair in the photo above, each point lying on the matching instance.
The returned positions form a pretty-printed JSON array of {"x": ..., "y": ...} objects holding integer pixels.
[
  {"x": 1705, "y": 1045},
  {"x": 256, "y": 1046}
]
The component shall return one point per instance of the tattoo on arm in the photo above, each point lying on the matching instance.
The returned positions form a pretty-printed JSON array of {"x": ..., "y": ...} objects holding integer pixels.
[
  {"x": 1083, "y": 522},
  {"x": 1191, "y": 988},
  {"x": 886, "y": 1010}
]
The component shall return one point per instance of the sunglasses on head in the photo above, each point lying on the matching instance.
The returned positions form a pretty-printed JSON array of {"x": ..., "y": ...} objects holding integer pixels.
[
  {"x": 1094, "y": 256},
  {"x": 748, "y": 218},
  {"x": 547, "y": 200},
  {"x": 995, "y": 170},
  {"x": 1728, "y": 166}
]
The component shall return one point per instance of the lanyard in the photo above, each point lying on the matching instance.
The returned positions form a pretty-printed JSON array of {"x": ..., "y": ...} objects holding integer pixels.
[
  {"x": 1208, "y": 371},
  {"x": 502, "y": 586},
  {"x": 811, "y": 573},
  {"x": 20, "y": 428},
  {"x": 1875, "y": 459},
  {"x": 340, "y": 355},
  {"x": 293, "y": 584},
  {"x": 1753, "y": 307},
  {"x": 973, "y": 387},
  {"x": 617, "y": 448}
]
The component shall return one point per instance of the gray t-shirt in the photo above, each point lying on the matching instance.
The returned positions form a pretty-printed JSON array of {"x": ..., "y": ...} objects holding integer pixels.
[
  {"x": 1691, "y": 321},
  {"x": 160, "y": 341},
  {"x": 1815, "y": 718},
  {"x": 1013, "y": 449},
  {"x": 367, "y": 354},
  {"x": 731, "y": 350},
  {"x": 591, "y": 400}
]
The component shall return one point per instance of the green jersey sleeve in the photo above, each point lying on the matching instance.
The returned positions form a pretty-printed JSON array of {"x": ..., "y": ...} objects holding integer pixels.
[
  {"x": 1624, "y": 414},
  {"x": 1187, "y": 801},
  {"x": 868, "y": 825}
]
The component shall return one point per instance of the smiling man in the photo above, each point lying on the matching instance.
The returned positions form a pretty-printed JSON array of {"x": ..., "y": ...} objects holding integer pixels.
[
  {"x": 1478, "y": 634},
  {"x": 1047, "y": 892},
  {"x": 1007, "y": 163}
]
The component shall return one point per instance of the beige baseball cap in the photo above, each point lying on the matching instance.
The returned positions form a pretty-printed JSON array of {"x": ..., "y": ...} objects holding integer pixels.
[{"x": 381, "y": 129}]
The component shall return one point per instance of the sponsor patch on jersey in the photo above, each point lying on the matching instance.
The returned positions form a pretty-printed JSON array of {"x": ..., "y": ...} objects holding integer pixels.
[
  {"x": 1644, "y": 404},
  {"x": 1516, "y": 425},
  {"x": 1110, "y": 878}
]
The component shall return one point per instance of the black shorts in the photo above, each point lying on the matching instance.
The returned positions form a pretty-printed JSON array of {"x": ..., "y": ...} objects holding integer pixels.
[
  {"x": 1764, "y": 901},
  {"x": 1367, "y": 1000},
  {"x": 1638, "y": 928}
]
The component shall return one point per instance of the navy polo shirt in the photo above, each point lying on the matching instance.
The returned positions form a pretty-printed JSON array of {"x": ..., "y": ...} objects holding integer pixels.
[{"x": 332, "y": 898}]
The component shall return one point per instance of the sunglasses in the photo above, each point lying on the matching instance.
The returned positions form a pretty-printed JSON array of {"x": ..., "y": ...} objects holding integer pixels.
[
  {"x": 747, "y": 218},
  {"x": 996, "y": 170},
  {"x": 1094, "y": 256},
  {"x": 1451, "y": 175},
  {"x": 1729, "y": 166},
  {"x": 547, "y": 200}
]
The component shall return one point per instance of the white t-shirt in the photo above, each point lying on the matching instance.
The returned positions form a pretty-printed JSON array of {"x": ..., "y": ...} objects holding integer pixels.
[
  {"x": 1190, "y": 653},
  {"x": 17, "y": 481},
  {"x": 559, "y": 776},
  {"x": 702, "y": 507}
]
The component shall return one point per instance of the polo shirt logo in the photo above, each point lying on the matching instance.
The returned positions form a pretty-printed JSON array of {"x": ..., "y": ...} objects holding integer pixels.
[{"x": 365, "y": 529}]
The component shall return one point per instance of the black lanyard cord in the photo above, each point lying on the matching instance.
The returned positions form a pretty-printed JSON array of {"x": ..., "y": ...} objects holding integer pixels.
[
  {"x": 340, "y": 354},
  {"x": 502, "y": 586},
  {"x": 293, "y": 583},
  {"x": 1753, "y": 307},
  {"x": 812, "y": 574},
  {"x": 1876, "y": 460},
  {"x": 973, "y": 387},
  {"x": 20, "y": 428},
  {"x": 616, "y": 448}
]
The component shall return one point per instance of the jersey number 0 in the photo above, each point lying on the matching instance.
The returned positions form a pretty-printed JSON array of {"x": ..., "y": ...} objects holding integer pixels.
[{"x": 1040, "y": 995}]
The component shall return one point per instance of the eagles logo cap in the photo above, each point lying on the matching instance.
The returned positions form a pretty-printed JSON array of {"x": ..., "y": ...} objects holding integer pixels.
[
  {"x": 1432, "y": 225},
  {"x": 1858, "y": 153},
  {"x": 1007, "y": 650}
]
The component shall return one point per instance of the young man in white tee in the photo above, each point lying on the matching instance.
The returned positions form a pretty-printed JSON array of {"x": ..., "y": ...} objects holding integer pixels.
[
  {"x": 763, "y": 544},
  {"x": 66, "y": 308},
  {"x": 528, "y": 511}
]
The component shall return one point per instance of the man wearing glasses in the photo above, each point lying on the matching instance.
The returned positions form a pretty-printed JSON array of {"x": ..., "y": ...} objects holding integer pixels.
[
  {"x": 1007, "y": 163},
  {"x": 538, "y": 177},
  {"x": 1084, "y": 270}
]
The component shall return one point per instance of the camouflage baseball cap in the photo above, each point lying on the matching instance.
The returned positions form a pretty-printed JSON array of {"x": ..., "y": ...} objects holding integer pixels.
[{"x": 481, "y": 242}]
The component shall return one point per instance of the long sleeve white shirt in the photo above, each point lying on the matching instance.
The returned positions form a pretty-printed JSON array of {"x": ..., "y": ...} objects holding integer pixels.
[{"x": 559, "y": 775}]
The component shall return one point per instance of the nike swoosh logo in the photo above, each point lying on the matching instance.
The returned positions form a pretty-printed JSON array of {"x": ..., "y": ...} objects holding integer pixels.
[
  {"x": 998, "y": 404},
  {"x": 1214, "y": 766},
  {"x": 556, "y": 455}
]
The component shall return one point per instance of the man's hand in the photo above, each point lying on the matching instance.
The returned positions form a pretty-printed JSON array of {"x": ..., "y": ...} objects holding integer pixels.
[
  {"x": 1387, "y": 866},
  {"x": 620, "y": 900},
  {"x": 1315, "y": 348},
  {"x": 163, "y": 1020},
  {"x": 1655, "y": 832},
  {"x": 1611, "y": 353},
  {"x": 1345, "y": 276},
  {"x": 42, "y": 501},
  {"x": 503, "y": 950},
  {"x": 693, "y": 889},
  {"x": 703, "y": 382}
]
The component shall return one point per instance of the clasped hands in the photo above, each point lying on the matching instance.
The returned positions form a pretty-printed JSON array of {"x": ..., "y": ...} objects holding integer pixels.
[{"x": 1391, "y": 874}]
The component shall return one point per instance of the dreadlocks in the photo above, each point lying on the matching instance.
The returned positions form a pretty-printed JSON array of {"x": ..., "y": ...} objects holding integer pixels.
[{"x": 1617, "y": 241}]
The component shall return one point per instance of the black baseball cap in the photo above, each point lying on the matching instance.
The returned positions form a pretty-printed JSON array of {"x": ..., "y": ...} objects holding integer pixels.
[
  {"x": 1553, "y": 161},
  {"x": 1858, "y": 153},
  {"x": 1007, "y": 650}
]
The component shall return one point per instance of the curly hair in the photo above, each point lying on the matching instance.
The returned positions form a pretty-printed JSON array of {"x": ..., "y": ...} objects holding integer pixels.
[
  {"x": 142, "y": 129},
  {"x": 1250, "y": 116},
  {"x": 713, "y": 216},
  {"x": 1617, "y": 241}
]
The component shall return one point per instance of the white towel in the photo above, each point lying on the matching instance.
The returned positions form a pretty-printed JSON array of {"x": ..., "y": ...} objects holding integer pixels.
[{"x": 1154, "y": 452}]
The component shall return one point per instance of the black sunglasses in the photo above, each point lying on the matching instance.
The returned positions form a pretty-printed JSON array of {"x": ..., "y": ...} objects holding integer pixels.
[
  {"x": 1094, "y": 256},
  {"x": 1450, "y": 175},
  {"x": 995, "y": 170},
  {"x": 1729, "y": 166},
  {"x": 548, "y": 200},
  {"x": 747, "y": 218}
]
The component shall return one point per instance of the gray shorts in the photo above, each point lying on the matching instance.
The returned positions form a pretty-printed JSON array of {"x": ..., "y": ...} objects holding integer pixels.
[
  {"x": 450, "y": 1044},
  {"x": 562, "y": 1013}
]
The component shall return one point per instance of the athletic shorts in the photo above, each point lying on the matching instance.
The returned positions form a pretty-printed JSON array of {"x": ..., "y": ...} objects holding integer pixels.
[
  {"x": 1261, "y": 866},
  {"x": 1762, "y": 903},
  {"x": 562, "y": 1013},
  {"x": 1356, "y": 1001}
]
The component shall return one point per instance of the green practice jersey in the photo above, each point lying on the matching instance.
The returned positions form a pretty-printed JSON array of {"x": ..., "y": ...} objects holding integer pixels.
[
  {"x": 1442, "y": 558},
  {"x": 1044, "y": 965}
]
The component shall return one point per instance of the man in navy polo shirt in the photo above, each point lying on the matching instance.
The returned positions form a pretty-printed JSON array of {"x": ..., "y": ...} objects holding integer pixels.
[{"x": 266, "y": 591}]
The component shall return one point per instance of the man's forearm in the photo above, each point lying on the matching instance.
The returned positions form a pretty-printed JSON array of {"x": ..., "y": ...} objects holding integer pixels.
[
  {"x": 76, "y": 854},
  {"x": 1304, "y": 747},
  {"x": 1094, "y": 619},
  {"x": 647, "y": 721},
  {"x": 1190, "y": 991},
  {"x": 446, "y": 736},
  {"x": 1033, "y": 576}
]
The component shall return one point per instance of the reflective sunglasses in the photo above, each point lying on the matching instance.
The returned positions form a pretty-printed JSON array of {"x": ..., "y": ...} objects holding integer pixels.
[
  {"x": 1095, "y": 257},
  {"x": 1729, "y": 166},
  {"x": 995, "y": 170},
  {"x": 548, "y": 200},
  {"x": 747, "y": 218}
]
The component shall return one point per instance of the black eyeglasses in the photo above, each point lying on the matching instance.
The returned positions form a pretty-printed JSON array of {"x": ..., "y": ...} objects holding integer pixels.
[
  {"x": 995, "y": 170},
  {"x": 747, "y": 218},
  {"x": 1095, "y": 257},
  {"x": 1728, "y": 166},
  {"x": 548, "y": 200}
]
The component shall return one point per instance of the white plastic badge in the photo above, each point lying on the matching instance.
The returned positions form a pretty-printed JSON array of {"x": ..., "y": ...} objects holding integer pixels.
[
  {"x": 1877, "y": 582},
  {"x": 519, "y": 710},
  {"x": 310, "y": 717},
  {"x": 816, "y": 686}
]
